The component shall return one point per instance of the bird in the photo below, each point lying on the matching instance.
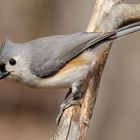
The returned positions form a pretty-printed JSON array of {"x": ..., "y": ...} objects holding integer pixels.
[{"x": 59, "y": 61}]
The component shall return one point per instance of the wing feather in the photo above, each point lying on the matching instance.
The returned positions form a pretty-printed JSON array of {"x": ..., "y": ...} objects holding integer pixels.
[{"x": 55, "y": 52}]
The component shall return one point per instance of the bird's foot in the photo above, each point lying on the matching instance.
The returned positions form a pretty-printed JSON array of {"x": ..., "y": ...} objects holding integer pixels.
[{"x": 72, "y": 98}]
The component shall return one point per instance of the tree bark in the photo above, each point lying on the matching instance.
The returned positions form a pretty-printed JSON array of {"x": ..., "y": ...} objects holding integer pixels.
[{"x": 107, "y": 16}]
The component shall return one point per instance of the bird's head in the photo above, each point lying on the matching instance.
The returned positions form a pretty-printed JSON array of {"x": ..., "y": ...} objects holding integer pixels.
[{"x": 14, "y": 60}]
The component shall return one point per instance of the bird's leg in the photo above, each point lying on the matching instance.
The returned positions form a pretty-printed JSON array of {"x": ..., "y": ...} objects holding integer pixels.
[
  {"x": 68, "y": 93},
  {"x": 72, "y": 98}
]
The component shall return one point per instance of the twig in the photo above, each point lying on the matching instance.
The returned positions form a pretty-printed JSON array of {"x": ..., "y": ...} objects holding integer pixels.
[{"x": 107, "y": 16}]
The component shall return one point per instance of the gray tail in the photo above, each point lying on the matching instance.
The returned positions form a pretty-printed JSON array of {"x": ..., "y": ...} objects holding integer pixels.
[{"x": 131, "y": 28}]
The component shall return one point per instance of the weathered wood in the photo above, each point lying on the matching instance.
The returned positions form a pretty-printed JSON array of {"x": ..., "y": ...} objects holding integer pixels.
[{"x": 107, "y": 16}]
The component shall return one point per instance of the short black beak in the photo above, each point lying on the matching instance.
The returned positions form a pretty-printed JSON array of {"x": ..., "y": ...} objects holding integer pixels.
[{"x": 3, "y": 72}]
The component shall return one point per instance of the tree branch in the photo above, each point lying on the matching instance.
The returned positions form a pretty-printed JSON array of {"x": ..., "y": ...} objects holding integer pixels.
[{"x": 107, "y": 16}]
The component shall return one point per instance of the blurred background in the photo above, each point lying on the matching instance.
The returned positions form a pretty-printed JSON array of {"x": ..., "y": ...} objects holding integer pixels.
[{"x": 27, "y": 113}]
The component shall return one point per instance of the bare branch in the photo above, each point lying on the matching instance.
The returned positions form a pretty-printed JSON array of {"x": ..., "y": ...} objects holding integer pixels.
[{"x": 107, "y": 16}]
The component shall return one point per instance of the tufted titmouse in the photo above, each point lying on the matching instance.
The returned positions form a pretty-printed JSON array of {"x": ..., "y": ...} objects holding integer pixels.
[{"x": 56, "y": 61}]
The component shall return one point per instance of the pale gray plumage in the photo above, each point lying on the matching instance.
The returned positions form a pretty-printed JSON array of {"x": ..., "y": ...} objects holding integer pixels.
[
  {"x": 44, "y": 57},
  {"x": 69, "y": 47},
  {"x": 60, "y": 50}
]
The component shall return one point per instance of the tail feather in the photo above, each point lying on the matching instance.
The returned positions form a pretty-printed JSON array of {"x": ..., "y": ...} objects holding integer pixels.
[{"x": 123, "y": 31}]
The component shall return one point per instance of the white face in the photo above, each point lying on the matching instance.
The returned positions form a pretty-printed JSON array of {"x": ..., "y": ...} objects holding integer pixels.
[
  {"x": 15, "y": 62},
  {"x": 11, "y": 65},
  {"x": 17, "y": 66},
  {"x": 19, "y": 70}
]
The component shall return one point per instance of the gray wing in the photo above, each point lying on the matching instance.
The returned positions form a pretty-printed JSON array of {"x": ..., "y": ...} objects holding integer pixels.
[{"x": 50, "y": 54}]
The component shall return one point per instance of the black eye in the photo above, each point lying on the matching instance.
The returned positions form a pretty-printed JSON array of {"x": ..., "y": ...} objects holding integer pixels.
[{"x": 12, "y": 61}]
